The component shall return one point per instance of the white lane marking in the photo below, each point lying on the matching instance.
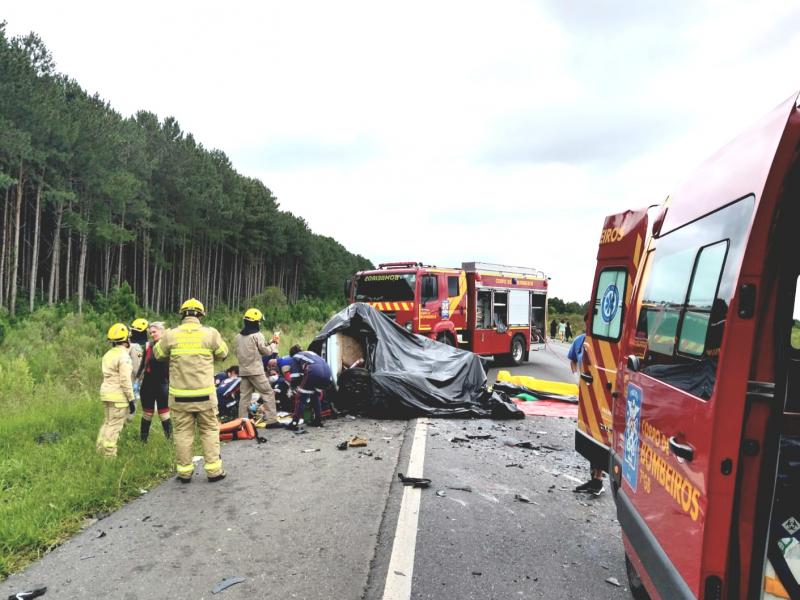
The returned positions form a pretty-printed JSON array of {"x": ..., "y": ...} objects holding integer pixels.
[{"x": 401, "y": 564}]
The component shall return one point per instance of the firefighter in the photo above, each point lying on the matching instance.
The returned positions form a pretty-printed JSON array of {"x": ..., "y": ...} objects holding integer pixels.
[
  {"x": 138, "y": 341},
  {"x": 191, "y": 350},
  {"x": 116, "y": 391},
  {"x": 250, "y": 347}
]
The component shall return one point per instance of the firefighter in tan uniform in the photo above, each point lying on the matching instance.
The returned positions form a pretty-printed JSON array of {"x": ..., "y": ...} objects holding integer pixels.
[
  {"x": 191, "y": 350},
  {"x": 250, "y": 346},
  {"x": 116, "y": 391}
]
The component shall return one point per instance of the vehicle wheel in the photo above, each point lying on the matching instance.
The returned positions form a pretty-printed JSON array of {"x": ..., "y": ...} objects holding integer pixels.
[
  {"x": 517, "y": 350},
  {"x": 635, "y": 582},
  {"x": 446, "y": 339}
]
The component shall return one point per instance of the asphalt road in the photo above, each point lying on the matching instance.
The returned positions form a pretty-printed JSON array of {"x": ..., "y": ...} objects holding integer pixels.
[{"x": 322, "y": 524}]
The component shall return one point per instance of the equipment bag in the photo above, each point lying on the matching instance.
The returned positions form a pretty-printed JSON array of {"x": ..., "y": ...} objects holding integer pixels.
[{"x": 238, "y": 429}]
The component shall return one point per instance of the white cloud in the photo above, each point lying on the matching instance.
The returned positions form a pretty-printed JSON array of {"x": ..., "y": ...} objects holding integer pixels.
[{"x": 443, "y": 131}]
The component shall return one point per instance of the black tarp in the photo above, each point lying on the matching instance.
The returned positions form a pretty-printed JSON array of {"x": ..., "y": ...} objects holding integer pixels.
[{"x": 412, "y": 375}]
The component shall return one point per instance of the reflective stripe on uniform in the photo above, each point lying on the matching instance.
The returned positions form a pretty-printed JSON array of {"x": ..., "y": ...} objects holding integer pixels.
[
  {"x": 223, "y": 349},
  {"x": 158, "y": 351},
  {"x": 112, "y": 396},
  {"x": 184, "y": 468},
  {"x": 191, "y": 352},
  {"x": 214, "y": 466},
  {"x": 120, "y": 405},
  {"x": 109, "y": 444},
  {"x": 179, "y": 393}
]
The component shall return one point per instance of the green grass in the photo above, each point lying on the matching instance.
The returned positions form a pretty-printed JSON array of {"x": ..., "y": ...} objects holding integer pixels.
[{"x": 49, "y": 382}]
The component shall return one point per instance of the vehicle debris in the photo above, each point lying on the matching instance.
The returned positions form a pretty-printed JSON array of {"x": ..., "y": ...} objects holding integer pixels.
[
  {"x": 226, "y": 583},
  {"x": 417, "y": 482}
]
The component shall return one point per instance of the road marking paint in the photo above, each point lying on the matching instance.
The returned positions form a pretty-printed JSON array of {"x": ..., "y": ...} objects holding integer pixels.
[{"x": 401, "y": 563}]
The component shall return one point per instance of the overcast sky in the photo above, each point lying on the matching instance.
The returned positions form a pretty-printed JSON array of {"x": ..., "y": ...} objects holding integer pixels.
[{"x": 443, "y": 131}]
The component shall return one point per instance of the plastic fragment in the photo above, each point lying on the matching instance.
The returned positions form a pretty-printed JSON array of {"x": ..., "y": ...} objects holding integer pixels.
[{"x": 226, "y": 583}]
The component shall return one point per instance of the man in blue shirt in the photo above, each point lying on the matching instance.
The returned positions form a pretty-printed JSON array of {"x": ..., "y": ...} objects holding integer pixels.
[
  {"x": 316, "y": 378},
  {"x": 575, "y": 355}
]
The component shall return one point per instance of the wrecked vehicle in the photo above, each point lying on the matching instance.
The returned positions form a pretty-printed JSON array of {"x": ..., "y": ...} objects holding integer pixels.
[{"x": 381, "y": 369}]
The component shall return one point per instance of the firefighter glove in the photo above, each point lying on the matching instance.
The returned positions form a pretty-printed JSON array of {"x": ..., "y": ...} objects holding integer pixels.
[{"x": 132, "y": 406}]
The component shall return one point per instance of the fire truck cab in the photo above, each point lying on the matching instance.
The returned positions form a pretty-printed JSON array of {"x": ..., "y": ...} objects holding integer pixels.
[
  {"x": 492, "y": 310},
  {"x": 705, "y": 442}
]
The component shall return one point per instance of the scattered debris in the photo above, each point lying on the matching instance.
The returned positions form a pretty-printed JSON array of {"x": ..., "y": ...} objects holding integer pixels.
[
  {"x": 365, "y": 453},
  {"x": 307, "y": 450},
  {"x": 481, "y": 436},
  {"x": 27, "y": 595},
  {"x": 514, "y": 465},
  {"x": 101, "y": 515},
  {"x": 342, "y": 445},
  {"x": 400, "y": 573},
  {"x": 477, "y": 573},
  {"x": 100, "y": 534},
  {"x": 458, "y": 438},
  {"x": 529, "y": 445},
  {"x": 48, "y": 437},
  {"x": 142, "y": 491},
  {"x": 87, "y": 557},
  {"x": 522, "y": 498},
  {"x": 441, "y": 493},
  {"x": 226, "y": 583},
  {"x": 417, "y": 482},
  {"x": 462, "y": 488},
  {"x": 613, "y": 581},
  {"x": 147, "y": 518},
  {"x": 357, "y": 442},
  {"x": 350, "y": 418},
  {"x": 299, "y": 431}
]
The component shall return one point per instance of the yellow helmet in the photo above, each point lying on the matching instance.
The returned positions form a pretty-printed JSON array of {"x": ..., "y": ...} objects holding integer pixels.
[
  {"x": 193, "y": 305},
  {"x": 253, "y": 314},
  {"x": 140, "y": 325},
  {"x": 118, "y": 332}
]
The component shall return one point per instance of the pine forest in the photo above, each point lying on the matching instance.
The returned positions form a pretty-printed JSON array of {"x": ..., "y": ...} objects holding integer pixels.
[{"x": 93, "y": 200}]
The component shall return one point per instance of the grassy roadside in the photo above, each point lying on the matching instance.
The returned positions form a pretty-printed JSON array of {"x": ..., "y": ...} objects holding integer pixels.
[{"x": 49, "y": 382}]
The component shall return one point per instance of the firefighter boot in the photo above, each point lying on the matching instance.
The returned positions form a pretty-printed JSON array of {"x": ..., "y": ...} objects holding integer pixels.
[
  {"x": 167, "y": 425},
  {"x": 144, "y": 429}
]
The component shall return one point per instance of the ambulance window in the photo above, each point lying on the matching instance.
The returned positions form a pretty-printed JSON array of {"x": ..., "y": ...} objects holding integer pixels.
[
  {"x": 795, "y": 340},
  {"x": 609, "y": 303},
  {"x": 452, "y": 286},
  {"x": 703, "y": 291}
]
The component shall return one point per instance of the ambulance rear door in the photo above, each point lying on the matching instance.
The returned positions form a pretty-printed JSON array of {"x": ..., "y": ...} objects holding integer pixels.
[{"x": 622, "y": 243}]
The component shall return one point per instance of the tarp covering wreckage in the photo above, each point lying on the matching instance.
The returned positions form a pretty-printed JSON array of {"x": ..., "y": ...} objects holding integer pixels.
[{"x": 402, "y": 374}]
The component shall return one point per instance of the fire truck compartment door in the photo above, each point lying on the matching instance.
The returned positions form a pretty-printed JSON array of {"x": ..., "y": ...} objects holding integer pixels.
[{"x": 519, "y": 307}]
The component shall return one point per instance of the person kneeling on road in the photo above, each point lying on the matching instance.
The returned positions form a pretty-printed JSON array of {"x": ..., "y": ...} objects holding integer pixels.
[
  {"x": 250, "y": 347},
  {"x": 316, "y": 379},
  {"x": 116, "y": 391},
  {"x": 191, "y": 350}
]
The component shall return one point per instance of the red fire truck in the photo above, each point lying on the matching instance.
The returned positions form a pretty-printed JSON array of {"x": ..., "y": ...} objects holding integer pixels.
[
  {"x": 705, "y": 441},
  {"x": 488, "y": 309}
]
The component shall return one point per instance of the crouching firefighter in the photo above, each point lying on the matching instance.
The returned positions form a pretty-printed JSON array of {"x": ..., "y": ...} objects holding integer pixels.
[
  {"x": 191, "y": 350},
  {"x": 116, "y": 391},
  {"x": 316, "y": 378},
  {"x": 153, "y": 392},
  {"x": 250, "y": 347}
]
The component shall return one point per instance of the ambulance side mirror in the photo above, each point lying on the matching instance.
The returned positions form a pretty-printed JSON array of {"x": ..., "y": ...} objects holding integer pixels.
[{"x": 633, "y": 363}]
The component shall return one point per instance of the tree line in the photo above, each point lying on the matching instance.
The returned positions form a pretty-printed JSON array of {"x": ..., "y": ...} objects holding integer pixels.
[{"x": 92, "y": 199}]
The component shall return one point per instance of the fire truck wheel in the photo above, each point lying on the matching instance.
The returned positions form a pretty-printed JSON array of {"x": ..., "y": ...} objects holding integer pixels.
[
  {"x": 446, "y": 339},
  {"x": 517, "y": 350},
  {"x": 635, "y": 582}
]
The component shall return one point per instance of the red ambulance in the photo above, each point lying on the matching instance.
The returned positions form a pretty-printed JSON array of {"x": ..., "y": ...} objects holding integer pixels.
[{"x": 705, "y": 443}]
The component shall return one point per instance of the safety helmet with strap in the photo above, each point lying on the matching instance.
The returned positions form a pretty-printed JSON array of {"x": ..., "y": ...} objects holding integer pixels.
[
  {"x": 118, "y": 332},
  {"x": 139, "y": 325},
  {"x": 193, "y": 305},
  {"x": 253, "y": 314}
]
